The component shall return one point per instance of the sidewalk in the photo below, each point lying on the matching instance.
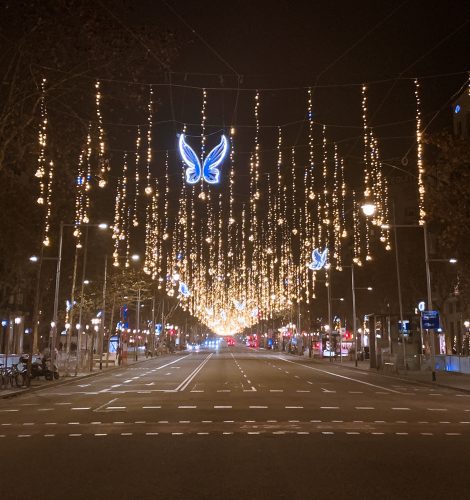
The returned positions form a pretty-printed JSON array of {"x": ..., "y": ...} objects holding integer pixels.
[
  {"x": 41, "y": 383},
  {"x": 451, "y": 380}
]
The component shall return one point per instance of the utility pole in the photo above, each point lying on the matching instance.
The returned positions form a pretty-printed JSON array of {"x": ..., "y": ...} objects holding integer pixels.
[
  {"x": 103, "y": 309},
  {"x": 80, "y": 313},
  {"x": 400, "y": 301},
  {"x": 429, "y": 293},
  {"x": 138, "y": 324},
  {"x": 55, "y": 318}
]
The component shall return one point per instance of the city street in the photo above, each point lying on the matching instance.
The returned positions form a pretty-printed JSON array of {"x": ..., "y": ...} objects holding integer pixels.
[{"x": 236, "y": 423}]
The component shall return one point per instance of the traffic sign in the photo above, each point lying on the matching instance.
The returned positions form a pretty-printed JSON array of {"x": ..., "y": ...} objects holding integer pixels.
[
  {"x": 430, "y": 320},
  {"x": 421, "y": 306}
]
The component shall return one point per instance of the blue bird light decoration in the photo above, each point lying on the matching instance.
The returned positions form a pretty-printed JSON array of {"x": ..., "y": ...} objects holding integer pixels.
[{"x": 318, "y": 259}]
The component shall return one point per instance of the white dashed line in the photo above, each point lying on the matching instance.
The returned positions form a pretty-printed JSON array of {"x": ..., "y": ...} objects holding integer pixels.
[
  {"x": 400, "y": 409},
  {"x": 257, "y": 407},
  {"x": 187, "y": 407},
  {"x": 84, "y": 408},
  {"x": 222, "y": 407},
  {"x": 292, "y": 407},
  {"x": 150, "y": 407},
  {"x": 329, "y": 407},
  {"x": 365, "y": 408}
]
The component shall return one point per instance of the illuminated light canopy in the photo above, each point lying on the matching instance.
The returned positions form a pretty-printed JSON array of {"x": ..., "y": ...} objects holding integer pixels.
[
  {"x": 209, "y": 170},
  {"x": 318, "y": 259}
]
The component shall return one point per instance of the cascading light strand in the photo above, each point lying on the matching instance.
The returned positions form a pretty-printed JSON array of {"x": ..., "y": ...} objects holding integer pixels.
[
  {"x": 42, "y": 141},
  {"x": 103, "y": 165},
  {"x": 148, "y": 187},
  {"x": 135, "y": 218},
  {"x": 419, "y": 157}
]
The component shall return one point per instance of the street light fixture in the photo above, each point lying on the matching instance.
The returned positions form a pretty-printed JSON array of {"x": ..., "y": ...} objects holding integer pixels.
[{"x": 368, "y": 208}]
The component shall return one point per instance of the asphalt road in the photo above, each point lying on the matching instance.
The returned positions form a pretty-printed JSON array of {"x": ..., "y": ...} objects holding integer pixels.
[{"x": 236, "y": 423}]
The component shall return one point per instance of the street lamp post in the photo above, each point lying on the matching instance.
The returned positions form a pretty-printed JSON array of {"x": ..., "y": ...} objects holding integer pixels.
[{"x": 427, "y": 260}]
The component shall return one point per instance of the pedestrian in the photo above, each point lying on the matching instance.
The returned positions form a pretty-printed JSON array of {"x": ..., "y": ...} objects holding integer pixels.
[{"x": 119, "y": 355}]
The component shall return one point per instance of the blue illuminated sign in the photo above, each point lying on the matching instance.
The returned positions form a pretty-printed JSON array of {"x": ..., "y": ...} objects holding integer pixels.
[{"x": 430, "y": 320}]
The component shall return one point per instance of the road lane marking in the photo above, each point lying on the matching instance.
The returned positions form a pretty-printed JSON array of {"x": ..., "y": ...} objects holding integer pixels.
[
  {"x": 400, "y": 409},
  {"x": 219, "y": 407},
  {"x": 105, "y": 404},
  {"x": 116, "y": 407},
  {"x": 301, "y": 391},
  {"x": 340, "y": 376},
  {"x": 100, "y": 434},
  {"x": 193, "y": 374},
  {"x": 222, "y": 390},
  {"x": 47, "y": 435},
  {"x": 453, "y": 434},
  {"x": 83, "y": 408},
  {"x": 293, "y": 407},
  {"x": 365, "y": 408},
  {"x": 75, "y": 435},
  {"x": 257, "y": 407},
  {"x": 172, "y": 362},
  {"x": 45, "y": 409},
  {"x": 276, "y": 390},
  {"x": 351, "y": 433},
  {"x": 193, "y": 390},
  {"x": 329, "y": 407},
  {"x": 187, "y": 407},
  {"x": 126, "y": 433},
  {"x": 437, "y": 409},
  {"x": 151, "y": 407}
]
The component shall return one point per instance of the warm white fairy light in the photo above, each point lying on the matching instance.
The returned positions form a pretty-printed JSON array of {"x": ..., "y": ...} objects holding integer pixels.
[
  {"x": 135, "y": 218},
  {"x": 148, "y": 187},
  {"x": 336, "y": 208},
  {"x": 325, "y": 198},
  {"x": 47, "y": 219},
  {"x": 42, "y": 140},
  {"x": 356, "y": 231},
  {"x": 103, "y": 165},
  {"x": 419, "y": 156}
]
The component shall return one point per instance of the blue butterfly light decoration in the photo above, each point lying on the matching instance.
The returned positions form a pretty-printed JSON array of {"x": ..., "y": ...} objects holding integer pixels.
[
  {"x": 209, "y": 170},
  {"x": 318, "y": 259},
  {"x": 239, "y": 306},
  {"x": 183, "y": 289}
]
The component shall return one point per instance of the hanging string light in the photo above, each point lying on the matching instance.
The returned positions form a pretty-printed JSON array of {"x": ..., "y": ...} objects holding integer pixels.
[
  {"x": 336, "y": 208},
  {"x": 148, "y": 187},
  {"x": 135, "y": 218},
  {"x": 419, "y": 156},
  {"x": 356, "y": 231},
  {"x": 326, "y": 204},
  {"x": 103, "y": 165},
  {"x": 42, "y": 140},
  {"x": 47, "y": 219}
]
